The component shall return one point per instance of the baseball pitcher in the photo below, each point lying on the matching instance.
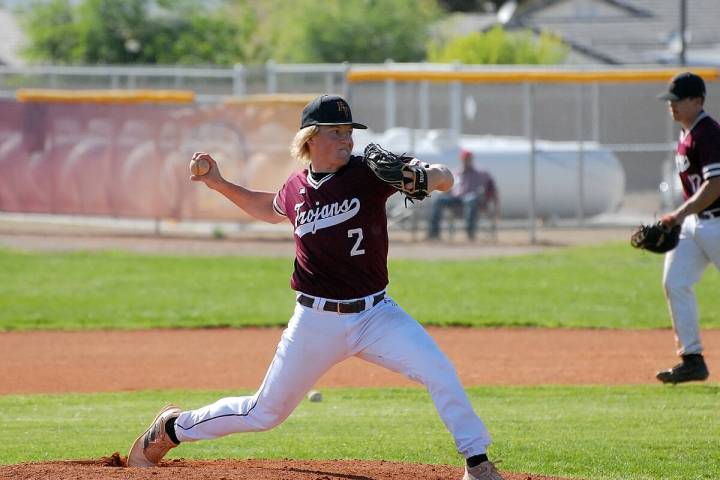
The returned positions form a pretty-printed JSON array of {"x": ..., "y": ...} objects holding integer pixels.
[{"x": 336, "y": 207}]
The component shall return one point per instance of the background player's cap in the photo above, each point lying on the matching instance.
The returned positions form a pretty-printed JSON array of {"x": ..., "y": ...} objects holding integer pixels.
[
  {"x": 684, "y": 85},
  {"x": 328, "y": 110}
]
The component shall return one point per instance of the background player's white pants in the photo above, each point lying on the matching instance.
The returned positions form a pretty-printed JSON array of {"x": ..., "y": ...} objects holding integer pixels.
[
  {"x": 699, "y": 246},
  {"x": 316, "y": 340}
]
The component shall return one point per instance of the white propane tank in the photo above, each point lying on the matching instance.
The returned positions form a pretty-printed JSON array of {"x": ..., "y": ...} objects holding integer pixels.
[{"x": 507, "y": 159}]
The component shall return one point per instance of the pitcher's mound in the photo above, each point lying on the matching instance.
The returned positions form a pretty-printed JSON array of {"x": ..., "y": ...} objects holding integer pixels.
[{"x": 114, "y": 467}]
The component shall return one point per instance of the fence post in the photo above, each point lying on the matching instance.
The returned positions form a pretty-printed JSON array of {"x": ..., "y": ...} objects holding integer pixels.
[
  {"x": 456, "y": 104},
  {"x": 329, "y": 82},
  {"x": 530, "y": 133},
  {"x": 239, "y": 85},
  {"x": 390, "y": 99},
  {"x": 596, "y": 112},
  {"x": 424, "y": 103},
  {"x": 271, "y": 76},
  {"x": 579, "y": 110},
  {"x": 345, "y": 85}
]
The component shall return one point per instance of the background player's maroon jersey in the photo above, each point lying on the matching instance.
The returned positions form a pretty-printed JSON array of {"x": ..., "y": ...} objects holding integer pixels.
[
  {"x": 698, "y": 156},
  {"x": 340, "y": 230}
]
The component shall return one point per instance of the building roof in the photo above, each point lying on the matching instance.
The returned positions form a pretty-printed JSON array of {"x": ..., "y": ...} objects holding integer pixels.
[{"x": 626, "y": 31}]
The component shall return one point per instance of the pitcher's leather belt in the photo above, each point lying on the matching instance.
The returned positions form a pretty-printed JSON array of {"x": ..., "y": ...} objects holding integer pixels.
[{"x": 355, "y": 306}]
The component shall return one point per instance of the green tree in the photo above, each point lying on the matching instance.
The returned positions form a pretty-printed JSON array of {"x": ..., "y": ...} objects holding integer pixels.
[
  {"x": 51, "y": 31},
  {"x": 498, "y": 46},
  {"x": 351, "y": 30},
  {"x": 139, "y": 31},
  {"x": 112, "y": 32}
]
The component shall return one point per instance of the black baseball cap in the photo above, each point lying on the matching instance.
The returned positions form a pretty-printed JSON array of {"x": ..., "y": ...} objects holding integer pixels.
[
  {"x": 684, "y": 85},
  {"x": 328, "y": 110}
]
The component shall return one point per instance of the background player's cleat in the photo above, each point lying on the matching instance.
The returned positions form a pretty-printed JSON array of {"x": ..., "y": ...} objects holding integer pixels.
[
  {"x": 692, "y": 368},
  {"x": 154, "y": 443},
  {"x": 484, "y": 471}
]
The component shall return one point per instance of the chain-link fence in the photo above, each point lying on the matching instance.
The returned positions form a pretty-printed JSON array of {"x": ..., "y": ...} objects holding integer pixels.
[{"x": 581, "y": 111}]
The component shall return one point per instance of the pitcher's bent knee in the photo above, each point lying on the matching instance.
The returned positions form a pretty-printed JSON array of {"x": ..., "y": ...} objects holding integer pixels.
[{"x": 675, "y": 284}]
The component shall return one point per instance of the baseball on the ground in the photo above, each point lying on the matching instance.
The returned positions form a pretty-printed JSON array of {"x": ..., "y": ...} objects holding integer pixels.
[
  {"x": 199, "y": 167},
  {"x": 314, "y": 396}
]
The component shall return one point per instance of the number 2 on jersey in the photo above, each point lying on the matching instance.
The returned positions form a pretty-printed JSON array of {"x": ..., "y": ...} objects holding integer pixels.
[
  {"x": 356, "y": 250},
  {"x": 696, "y": 181}
]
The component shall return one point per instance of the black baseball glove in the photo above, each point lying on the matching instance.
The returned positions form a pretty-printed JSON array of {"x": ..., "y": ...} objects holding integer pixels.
[
  {"x": 405, "y": 174},
  {"x": 658, "y": 238}
]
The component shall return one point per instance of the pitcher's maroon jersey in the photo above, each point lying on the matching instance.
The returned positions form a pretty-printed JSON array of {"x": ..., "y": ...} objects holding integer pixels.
[
  {"x": 341, "y": 239},
  {"x": 698, "y": 156}
]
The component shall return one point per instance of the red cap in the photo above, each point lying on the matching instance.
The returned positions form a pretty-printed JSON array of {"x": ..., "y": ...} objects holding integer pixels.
[{"x": 465, "y": 154}]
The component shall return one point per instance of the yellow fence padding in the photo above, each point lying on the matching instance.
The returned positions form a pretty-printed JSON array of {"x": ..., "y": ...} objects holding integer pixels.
[
  {"x": 104, "y": 96},
  {"x": 274, "y": 98},
  {"x": 530, "y": 76}
]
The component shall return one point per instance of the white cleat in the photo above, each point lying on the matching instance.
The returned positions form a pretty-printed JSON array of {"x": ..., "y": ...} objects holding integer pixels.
[{"x": 150, "y": 447}]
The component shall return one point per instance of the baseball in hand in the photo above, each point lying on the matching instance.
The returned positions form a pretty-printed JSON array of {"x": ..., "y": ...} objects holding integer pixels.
[{"x": 199, "y": 167}]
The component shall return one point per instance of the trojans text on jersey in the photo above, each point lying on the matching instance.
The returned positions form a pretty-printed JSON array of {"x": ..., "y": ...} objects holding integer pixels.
[
  {"x": 324, "y": 216},
  {"x": 682, "y": 162}
]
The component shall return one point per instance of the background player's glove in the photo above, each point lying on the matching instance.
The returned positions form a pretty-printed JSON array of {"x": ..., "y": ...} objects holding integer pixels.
[
  {"x": 658, "y": 238},
  {"x": 405, "y": 174}
]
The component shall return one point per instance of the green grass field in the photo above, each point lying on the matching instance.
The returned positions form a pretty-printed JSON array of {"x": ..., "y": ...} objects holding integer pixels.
[
  {"x": 591, "y": 287},
  {"x": 640, "y": 432},
  {"x": 634, "y": 432}
]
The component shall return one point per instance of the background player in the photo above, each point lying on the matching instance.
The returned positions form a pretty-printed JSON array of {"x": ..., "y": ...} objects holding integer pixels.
[
  {"x": 698, "y": 163},
  {"x": 474, "y": 190},
  {"x": 337, "y": 209}
]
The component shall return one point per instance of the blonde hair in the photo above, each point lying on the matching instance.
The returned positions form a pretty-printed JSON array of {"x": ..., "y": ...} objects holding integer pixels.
[{"x": 299, "y": 148}]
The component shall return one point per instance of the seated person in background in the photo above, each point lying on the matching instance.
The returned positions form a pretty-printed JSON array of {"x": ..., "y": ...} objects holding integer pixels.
[{"x": 474, "y": 191}]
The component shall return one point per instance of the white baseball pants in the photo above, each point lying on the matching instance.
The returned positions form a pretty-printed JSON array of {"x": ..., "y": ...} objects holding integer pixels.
[
  {"x": 699, "y": 246},
  {"x": 314, "y": 341}
]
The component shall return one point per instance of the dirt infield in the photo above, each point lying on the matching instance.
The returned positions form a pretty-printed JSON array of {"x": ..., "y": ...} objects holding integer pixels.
[
  {"x": 242, "y": 470},
  {"x": 93, "y": 361}
]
